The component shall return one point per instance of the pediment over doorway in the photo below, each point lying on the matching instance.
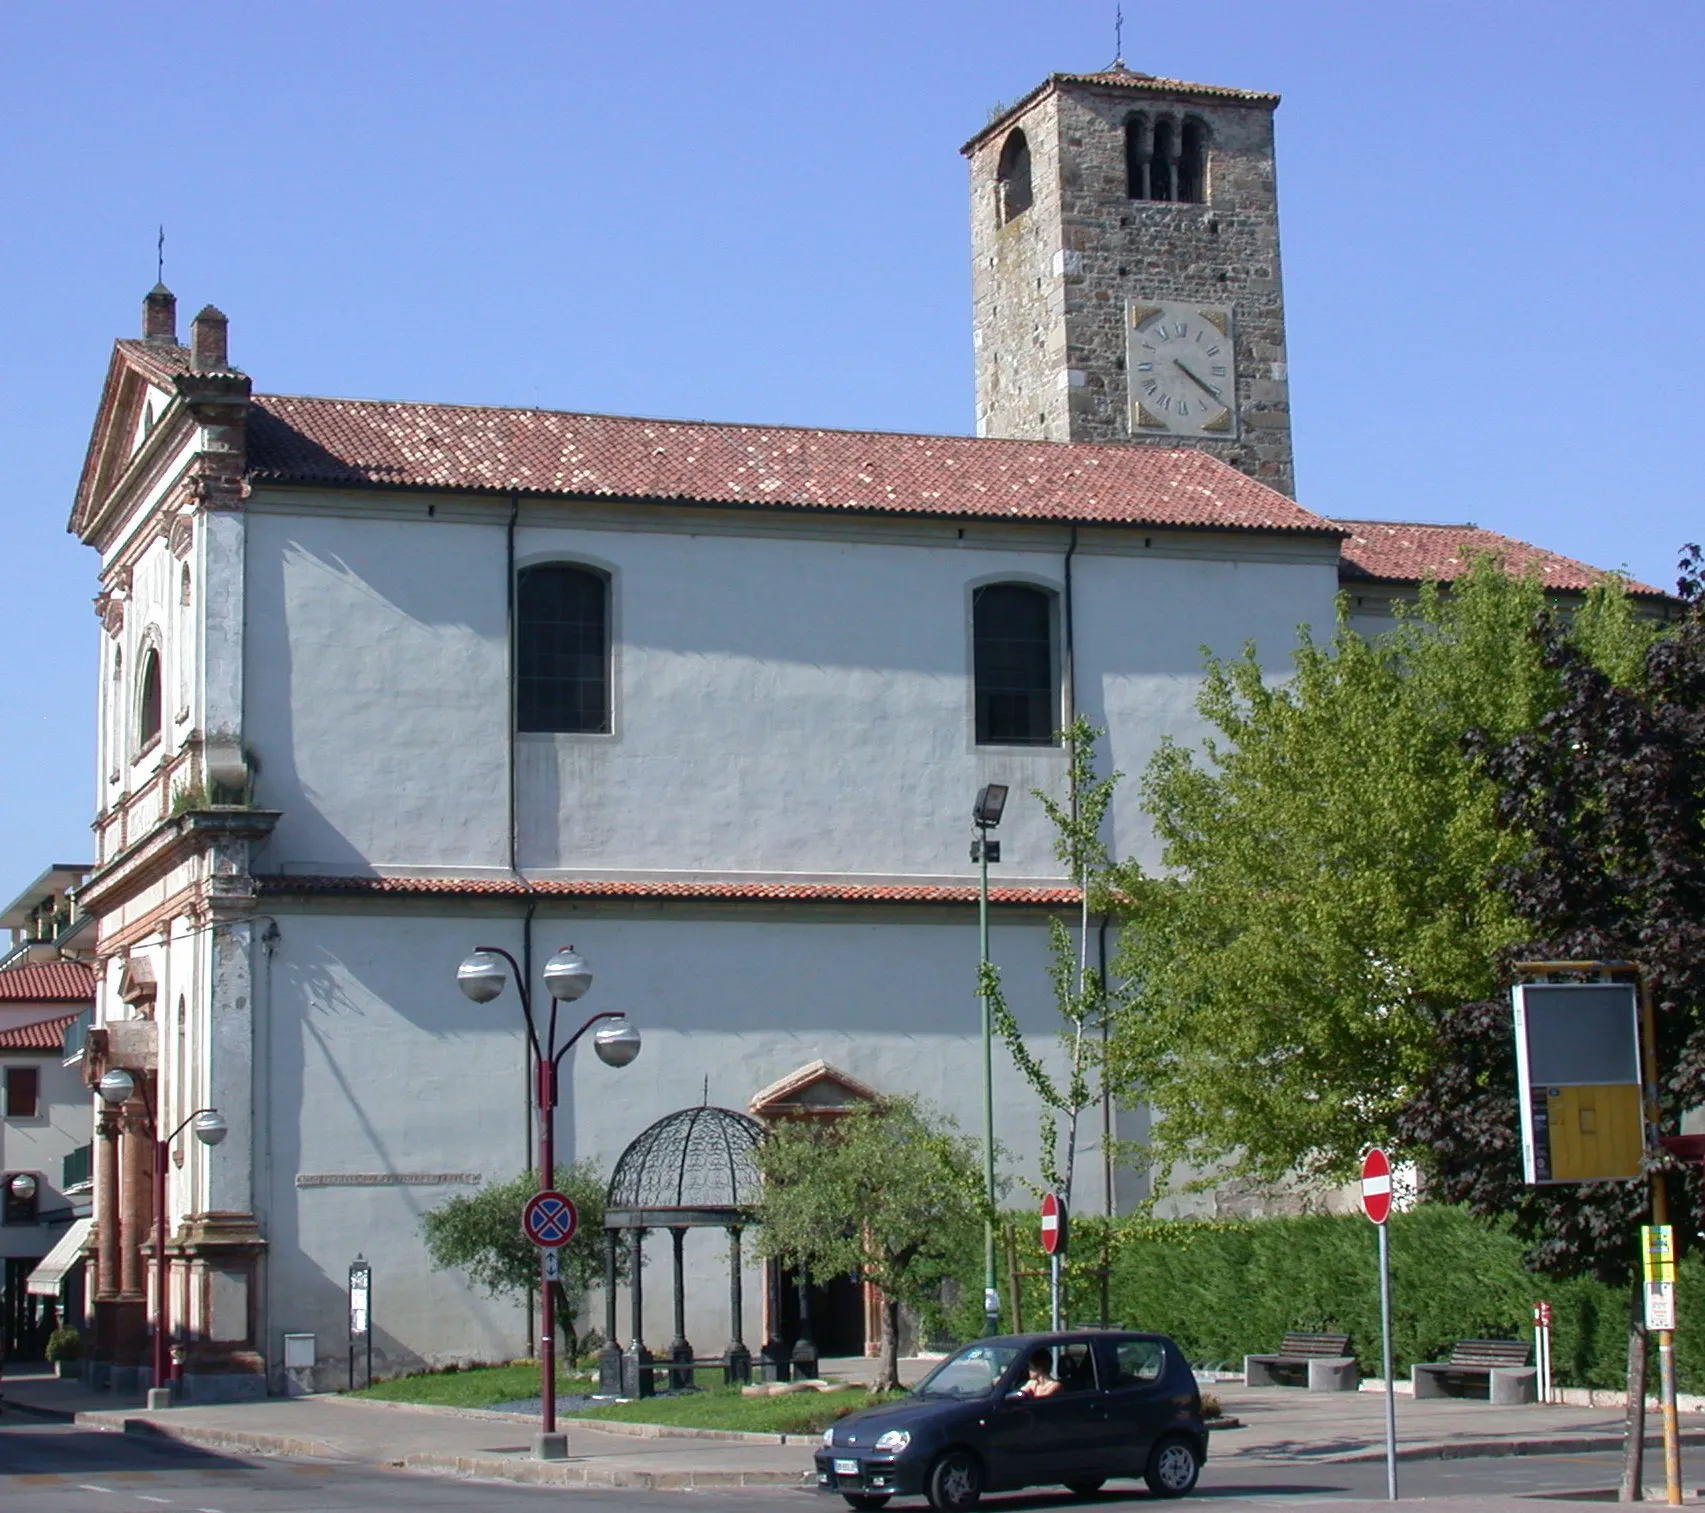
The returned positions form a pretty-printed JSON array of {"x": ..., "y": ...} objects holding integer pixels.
[{"x": 815, "y": 1089}]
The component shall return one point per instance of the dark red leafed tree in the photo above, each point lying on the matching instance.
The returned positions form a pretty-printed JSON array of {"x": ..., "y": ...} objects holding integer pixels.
[{"x": 1611, "y": 791}]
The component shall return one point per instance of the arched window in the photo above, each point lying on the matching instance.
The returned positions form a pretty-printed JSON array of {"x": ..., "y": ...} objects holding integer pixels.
[
  {"x": 1166, "y": 159},
  {"x": 1192, "y": 161},
  {"x": 1162, "y": 161},
  {"x": 1136, "y": 156},
  {"x": 1014, "y": 666},
  {"x": 562, "y": 649},
  {"x": 1012, "y": 178},
  {"x": 148, "y": 700}
]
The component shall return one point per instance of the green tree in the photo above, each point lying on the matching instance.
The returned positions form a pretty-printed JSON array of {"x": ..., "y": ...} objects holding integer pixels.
[
  {"x": 1079, "y": 994},
  {"x": 480, "y": 1233},
  {"x": 1606, "y": 799},
  {"x": 886, "y": 1192},
  {"x": 1327, "y": 896}
]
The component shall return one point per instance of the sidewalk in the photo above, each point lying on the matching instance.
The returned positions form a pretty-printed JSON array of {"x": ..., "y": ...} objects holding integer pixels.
[{"x": 1280, "y": 1426}]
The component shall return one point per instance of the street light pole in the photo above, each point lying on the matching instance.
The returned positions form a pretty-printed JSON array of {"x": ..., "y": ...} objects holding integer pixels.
[
  {"x": 568, "y": 977},
  {"x": 986, "y": 815},
  {"x": 117, "y": 1087}
]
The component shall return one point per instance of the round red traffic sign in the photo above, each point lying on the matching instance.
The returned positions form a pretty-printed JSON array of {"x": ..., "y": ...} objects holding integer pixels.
[
  {"x": 1053, "y": 1224},
  {"x": 549, "y": 1219},
  {"x": 1376, "y": 1185}
]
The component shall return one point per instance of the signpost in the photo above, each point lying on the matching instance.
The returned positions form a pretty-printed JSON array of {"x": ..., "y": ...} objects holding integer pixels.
[
  {"x": 1054, "y": 1243},
  {"x": 360, "y": 1320},
  {"x": 1542, "y": 1348},
  {"x": 1376, "y": 1202}
]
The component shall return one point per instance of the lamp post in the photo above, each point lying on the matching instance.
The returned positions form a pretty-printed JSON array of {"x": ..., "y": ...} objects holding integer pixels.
[
  {"x": 567, "y": 977},
  {"x": 117, "y": 1087},
  {"x": 986, "y": 815}
]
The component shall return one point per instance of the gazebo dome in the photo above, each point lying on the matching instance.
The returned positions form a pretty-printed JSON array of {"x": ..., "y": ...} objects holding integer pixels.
[{"x": 694, "y": 1166}]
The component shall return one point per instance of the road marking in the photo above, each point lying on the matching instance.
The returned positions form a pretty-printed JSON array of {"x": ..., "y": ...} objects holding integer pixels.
[
  {"x": 144, "y": 1497},
  {"x": 88, "y": 1486}
]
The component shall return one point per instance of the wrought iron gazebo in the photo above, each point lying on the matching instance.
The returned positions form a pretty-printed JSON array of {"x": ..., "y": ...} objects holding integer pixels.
[{"x": 693, "y": 1169}]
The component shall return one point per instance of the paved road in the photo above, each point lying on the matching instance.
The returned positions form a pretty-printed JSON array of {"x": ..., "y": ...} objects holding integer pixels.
[
  {"x": 54, "y": 1468},
  {"x": 58, "y": 1468}
]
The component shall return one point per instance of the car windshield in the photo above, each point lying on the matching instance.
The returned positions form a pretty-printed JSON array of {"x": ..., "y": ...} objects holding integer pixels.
[{"x": 971, "y": 1372}]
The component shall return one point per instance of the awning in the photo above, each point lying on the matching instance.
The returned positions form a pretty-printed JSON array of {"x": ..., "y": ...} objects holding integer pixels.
[{"x": 67, "y": 1252}]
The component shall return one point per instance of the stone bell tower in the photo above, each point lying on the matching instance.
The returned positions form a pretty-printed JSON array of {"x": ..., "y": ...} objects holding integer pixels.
[{"x": 1125, "y": 269}]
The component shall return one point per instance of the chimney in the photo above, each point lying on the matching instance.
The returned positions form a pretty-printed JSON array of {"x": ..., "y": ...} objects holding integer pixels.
[
  {"x": 160, "y": 315},
  {"x": 207, "y": 342}
]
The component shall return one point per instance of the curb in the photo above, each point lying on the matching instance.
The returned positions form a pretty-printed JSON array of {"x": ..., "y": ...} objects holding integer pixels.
[
  {"x": 51, "y": 1415},
  {"x": 245, "y": 1441},
  {"x": 1482, "y": 1449},
  {"x": 569, "y": 1473}
]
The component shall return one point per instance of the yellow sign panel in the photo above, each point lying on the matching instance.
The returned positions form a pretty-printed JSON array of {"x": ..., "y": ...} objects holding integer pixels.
[
  {"x": 1657, "y": 1252},
  {"x": 1594, "y": 1131}
]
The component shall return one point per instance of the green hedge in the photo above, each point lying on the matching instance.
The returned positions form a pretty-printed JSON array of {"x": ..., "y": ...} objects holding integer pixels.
[{"x": 1224, "y": 1290}]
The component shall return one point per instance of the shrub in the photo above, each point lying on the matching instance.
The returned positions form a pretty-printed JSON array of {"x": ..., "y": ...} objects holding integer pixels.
[
  {"x": 1224, "y": 1290},
  {"x": 64, "y": 1344}
]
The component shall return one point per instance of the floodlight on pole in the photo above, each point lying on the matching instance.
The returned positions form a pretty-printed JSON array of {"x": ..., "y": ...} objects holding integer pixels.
[{"x": 991, "y": 804}]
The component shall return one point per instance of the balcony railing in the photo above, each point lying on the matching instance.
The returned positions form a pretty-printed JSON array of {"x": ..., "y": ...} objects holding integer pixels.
[{"x": 79, "y": 1168}]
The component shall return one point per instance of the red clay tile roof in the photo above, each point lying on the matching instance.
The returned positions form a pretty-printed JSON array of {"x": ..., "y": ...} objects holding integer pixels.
[
  {"x": 48, "y": 982},
  {"x": 1402, "y": 551},
  {"x": 1118, "y": 76},
  {"x": 159, "y": 360},
  {"x": 367, "y": 443},
  {"x": 861, "y": 893},
  {"x": 43, "y": 1035}
]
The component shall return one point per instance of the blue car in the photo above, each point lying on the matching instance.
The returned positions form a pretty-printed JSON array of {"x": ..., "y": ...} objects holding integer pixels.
[{"x": 1026, "y": 1410}]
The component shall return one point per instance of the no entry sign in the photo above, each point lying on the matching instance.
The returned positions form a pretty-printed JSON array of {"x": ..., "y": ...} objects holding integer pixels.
[
  {"x": 1053, "y": 1225},
  {"x": 1376, "y": 1185},
  {"x": 549, "y": 1219}
]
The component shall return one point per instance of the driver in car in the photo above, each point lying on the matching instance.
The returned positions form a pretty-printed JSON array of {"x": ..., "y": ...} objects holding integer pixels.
[{"x": 1041, "y": 1382}]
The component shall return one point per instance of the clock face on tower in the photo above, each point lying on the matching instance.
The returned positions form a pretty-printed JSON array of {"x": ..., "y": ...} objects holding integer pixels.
[{"x": 1179, "y": 359}]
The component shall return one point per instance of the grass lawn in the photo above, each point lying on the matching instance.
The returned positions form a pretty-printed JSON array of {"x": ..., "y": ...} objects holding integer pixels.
[
  {"x": 712, "y": 1407},
  {"x": 725, "y": 1408},
  {"x": 476, "y": 1388}
]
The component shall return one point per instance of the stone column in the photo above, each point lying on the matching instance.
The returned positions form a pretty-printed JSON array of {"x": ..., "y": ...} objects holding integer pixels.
[
  {"x": 135, "y": 1196},
  {"x": 107, "y": 1224}
]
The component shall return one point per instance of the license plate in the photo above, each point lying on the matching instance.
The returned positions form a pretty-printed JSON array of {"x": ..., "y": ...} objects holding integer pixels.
[{"x": 846, "y": 1468}]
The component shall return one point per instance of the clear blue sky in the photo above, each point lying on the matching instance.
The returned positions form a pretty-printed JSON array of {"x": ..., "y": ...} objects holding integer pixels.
[{"x": 1491, "y": 213}]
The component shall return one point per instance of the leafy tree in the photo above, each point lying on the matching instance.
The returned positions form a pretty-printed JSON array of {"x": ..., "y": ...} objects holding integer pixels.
[
  {"x": 480, "y": 1233},
  {"x": 1606, "y": 799},
  {"x": 1078, "y": 992},
  {"x": 885, "y": 1192},
  {"x": 1327, "y": 896}
]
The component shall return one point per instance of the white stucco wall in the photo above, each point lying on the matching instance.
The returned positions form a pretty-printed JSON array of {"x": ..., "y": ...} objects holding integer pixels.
[
  {"x": 40, "y": 1145},
  {"x": 373, "y": 1062},
  {"x": 789, "y": 699}
]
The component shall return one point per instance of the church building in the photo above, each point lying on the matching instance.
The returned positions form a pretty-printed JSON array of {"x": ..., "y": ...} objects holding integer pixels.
[{"x": 383, "y": 682}]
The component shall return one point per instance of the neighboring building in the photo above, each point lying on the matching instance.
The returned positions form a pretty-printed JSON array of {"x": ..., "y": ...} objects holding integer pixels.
[
  {"x": 47, "y": 992},
  {"x": 383, "y": 682}
]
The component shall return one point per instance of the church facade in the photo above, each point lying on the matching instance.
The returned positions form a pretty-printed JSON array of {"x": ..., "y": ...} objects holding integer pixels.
[{"x": 382, "y": 683}]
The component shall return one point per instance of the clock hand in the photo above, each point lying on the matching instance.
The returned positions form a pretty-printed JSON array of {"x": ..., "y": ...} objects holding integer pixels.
[{"x": 1207, "y": 389}]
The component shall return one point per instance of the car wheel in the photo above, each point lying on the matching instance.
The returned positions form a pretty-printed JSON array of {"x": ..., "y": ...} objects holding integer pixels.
[
  {"x": 1174, "y": 1464},
  {"x": 955, "y": 1482},
  {"x": 870, "y": 1500},
  {"x": 1086, "y": 1487}
]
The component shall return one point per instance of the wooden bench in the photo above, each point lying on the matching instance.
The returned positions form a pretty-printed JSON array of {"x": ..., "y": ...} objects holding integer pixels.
[
  {"x": 1319, "y": 1362},
  {"x": 1501, "y": 1364}
]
